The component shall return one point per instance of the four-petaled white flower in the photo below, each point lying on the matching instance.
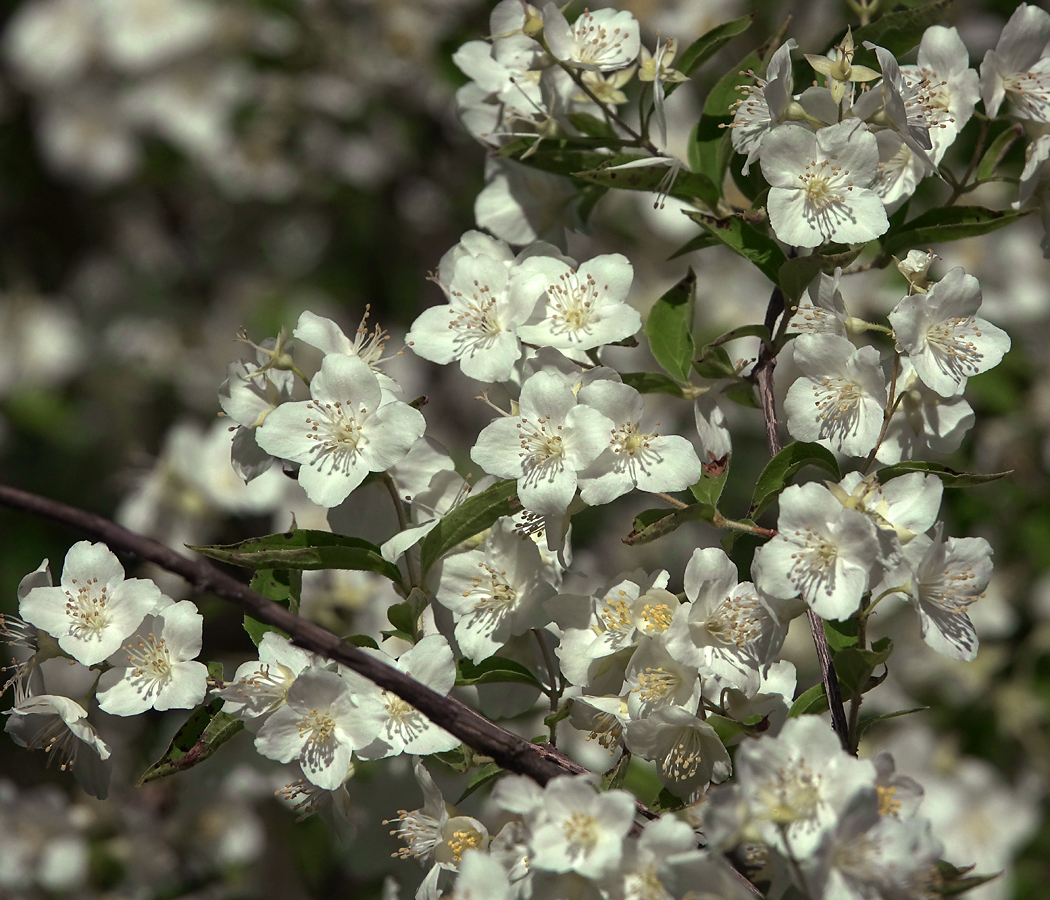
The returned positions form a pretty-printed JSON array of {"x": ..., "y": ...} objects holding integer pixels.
[
  {"x": 821, "y": 184},
  {"x": 840, "y": 399},
  {"x": 545, "y": 446},
  {"x": 1017, "y": 68},
  {"x": 688, "y": 753},
  {"x": 602, "y": 40},
  {"x": 155, "y": 668},
  {"x": 261, "y": 686},
  {"x": 351, "y": 427},
  {"x": 586, "y": 306},
  {"x": 94, "y": 608},
  {"x": 764, "y": 105},
  {"x": 944, "y": 340}
]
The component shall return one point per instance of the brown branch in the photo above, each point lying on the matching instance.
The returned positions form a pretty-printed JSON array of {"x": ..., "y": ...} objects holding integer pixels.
[{"x": 762, "y": 376}]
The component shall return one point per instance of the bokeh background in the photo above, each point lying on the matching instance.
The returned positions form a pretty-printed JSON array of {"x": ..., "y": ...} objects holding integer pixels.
[{"x": 172, "y": 171}]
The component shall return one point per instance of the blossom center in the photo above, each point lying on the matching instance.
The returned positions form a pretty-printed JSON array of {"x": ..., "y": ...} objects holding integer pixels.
[
  {"x": 735, "y": 621},
  {"x": 683, "y": 759},
  {"x": 336, "y": 429},
  {"x": 540, "y": 441},
  {"x": 617, "y": 613},
  {"x": 950, "y": 341},
  {"x": 582, "y": 831},
  {"x": 594, "y": 43},
  {"x": 573, "y": 303},
  {"x": 478, "y": 316},
  {"x": 317, "y": 727},
  {"x": 494, "y": 594},
  {"x": 656, "y": 684},
  {"x": 149, "y": 657},
  {"x": 88, "y": 608},
  {"x": 821, "y": 182},
  {"x": 789, "y": 796}
]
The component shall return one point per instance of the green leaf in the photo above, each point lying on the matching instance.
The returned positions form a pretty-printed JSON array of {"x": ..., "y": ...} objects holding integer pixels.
[
  {"x": 304, "y": 549},
  {"x": 741, "y": 331},
  {"x": 486, "y": 775},
  {"x": 652, "y": 383},
  {"x": 947, "y": 223},
  {"x": 669, "y": 328},
  {"x": 701, "y": 242},
  {"x": 709, "y": 488},
  {"x": 872, "y": 720},
  {"x": 590, "y": 125},
  {"x": 899, "y": 31},
  {"x": 667, "y": 802},
  {"x": 613, "y": 780},
  {"x": 207, "y": 729},
  {"x": 855, "y": 667},
  {"x": 685, "y": 186},
  {"x": 405, "y": 616},
  {"x": 715, "y": 363},
  {"x": 494, "y": 670},
  {"x": 997, "y": 149},
  {"x": 727, "y": 729},
  {"x": 473, "y": 516},
  {"x": 782, "y": 467},
  {"x": 797, "y": 274},
  {"x": 361, "y": 640},
  {"x": 949, "y": 477},
  {"x": 656, "y": 523},
  {"x": 280, "y": 585},
  {"x": 707, "y": 45},
  {"x": 810, "y": 702},
  {"x": 746, "y": 240},
  {"x": 841, "y": 635},
  {"x": 710, "y": 146},
  {"x": 564, "y": 156}
]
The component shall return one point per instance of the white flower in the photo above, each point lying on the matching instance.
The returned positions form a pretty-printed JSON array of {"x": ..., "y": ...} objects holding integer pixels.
[
  {"x": 728, "y": 629},
  {"x": 763, "y": 105},
  {"x": 248, "y": 396},
  {"x": 824, "y": 552},
  {"x": 155, "y": 669},
  {"x": 545, "y": 446},
  {"x": 688, "y": 754},
  {"x": 351, "y": 427},
  {"x": 822, "y": 309},
  {"x": 634, "y": 458},
  {"x": 1017, "y": 69},
  {"x": 390, "y": 726},
  {"x": 260, "y": 687},
  {"x": 317, "y": 726},
  {"x": 601, "y": 41},
  {"x": 586, "y": 306},
  {"x": 821, "y": 184},
  {"x": 94, "y": 609},
  {"x": 488, "y": 302},
  {"x": 367, "y": 343},
  {"x": 944, "y": 340},
  {"x": 655, "y": 680},
  {"x": 901, "y": 508},
  {"x": 840, "y": 399},
  {"x": 520, "y": 204},
  {"x": 494, "y": 592},
  {"x": 59, "y": 726}
]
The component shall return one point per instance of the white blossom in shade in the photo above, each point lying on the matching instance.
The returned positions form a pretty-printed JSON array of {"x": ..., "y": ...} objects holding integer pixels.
[
  {"x": 796, "y": 786},
  {"x": 545, "y": 446},
  {"x": 776, "y": 693},
  {"x": 944, "y": 340},
  {"x": 51, "y": 43},
  {"x": 941, "y": 579},
  {"x": 367, "y": 343},
  {"x": 319, "y": 725},
  {"x": 305, "y": 798},
  {"x": 715, "y": 439},
  {"x": 351, "y": 427},
  {"x": 478, "y": 328},
  {"x": 610, "y": 623},
  {"x": 434, "y": 833},
  {"x": 602, "y": 40},
  {"x": 728, "y": 630},
  {"x": 900, "y": 170},
  {"x": 840, "y": 400},
  {"x": 388, "y": 725},
  {"x": 764, "y": 105},
  {"x": 634, "y": 458},
  {"x": 689, "y": 755},
  {"x": 903, "y": 507},
  {"x": 94, "y": 608},
  {"x": 1017, "y": 69},
  {"x": 248, "y": 396},
  {"x": 923, "y": 421},
  {"x": 944, "y": 84},
  {"x": 494, "y": 592},
  {"x": 141, "y": 34},
  {"x": 821, "y": 310},
  {"x": 655, "y": 679},
  {"x": 520, "y": 204},
  {"x": 664, "y": 845},
  {"x": 821, "y": 184},
  {"x": 823, "y": 552},
  {"x": 482, "y": 877},
  {"x": 899, "y": 795},
  {"x": 601, "y": 719},
  {"x": 577, "y": 829},
  {"x": 261, "y": 686},
  {"x": 59, "y": 726},
  {"x": 586, "y": 306},
  {"x": 155, "y": 668}
]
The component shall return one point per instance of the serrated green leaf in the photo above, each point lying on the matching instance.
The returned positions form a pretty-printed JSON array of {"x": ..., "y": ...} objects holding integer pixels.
[
  {"x": 494, "y": 670},
  {"x": 280, "y": 585},
  {"x": 811, "y": 702},
  {"x": 669, "y": 328},
  {"x": 949, "y": 477},
  {"x": 872, "y": 720},
  {"x": 899, "y": 31},
  {"x": 656, "y": 523},
  {"x": 485, "y": 775},
  {"x": 652, "y": 383},
  {"x": 304, "y": 549},
  {"x": 707, "y": 45},
  {"x": 782, "y": 467},
  {"x": 947, "y": 223},
  {"x": 473, "y": 516},
  {"x": 709, "y": 488},
  {"x": 206, "y": 729},
  {"x": 746, "y": 240},
  {"x": 997, "y": 149},
  {"x": 701, "y": 242}
]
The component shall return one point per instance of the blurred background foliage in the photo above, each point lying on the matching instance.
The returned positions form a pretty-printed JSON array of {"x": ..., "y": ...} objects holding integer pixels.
[{"x": 174, "y": 170}]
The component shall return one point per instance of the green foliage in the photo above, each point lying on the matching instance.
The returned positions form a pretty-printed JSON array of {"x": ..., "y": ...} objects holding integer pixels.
[
  {"x": 474, "y": 515},
  {"x": 783, "y": 467},
  {"x": 898, "y": 31},
  {"x": 283, "y": 586},
  {"x": 494, "y": 670},
  {"x": 949, "y": 477},
  {"x": 707, "y": 45},
  {"x": 654, "y": 524},
  {"x": 669, "y": 328},
  {"x": 652, "y": 383},
  {"x": 744, "y": 239},
  {"x": 947, "y": 223}
]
